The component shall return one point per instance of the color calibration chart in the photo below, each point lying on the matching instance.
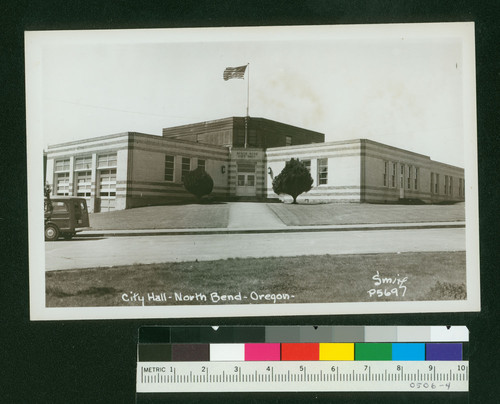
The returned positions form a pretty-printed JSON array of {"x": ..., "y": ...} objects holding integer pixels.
[{"x": 302, "y": 358}]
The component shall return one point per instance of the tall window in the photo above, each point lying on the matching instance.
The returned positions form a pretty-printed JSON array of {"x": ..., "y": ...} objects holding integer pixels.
[
  {"x": 451, "y": 185},
  {"x": 288, "y": 140},
  {"x": 62, "y": 184},
  {"x": 393, "y": 177},
  {"x": 201, "y": 164},
  {"x": 185, "y": 166},
  {"x": 107, "y": 187},
  {"x": 169, "y": 168},
  {"x": 83, "y": 183},
  {"x": 386, "y": 172},
  {"x": 322, "y": 171},
  {"x": 83, "y": 176},
  {"x": 408, "y": 181},
  {"x": 402, "y": 176},
  {"x": 432, "y": 183},
  {"x": 62, "y": 177},
  {"x": 436, "y": 184},
  {"x": 416, "y": 177},
  {"x": 460, "y": 186},
  {"x": 446, "y": 184}
]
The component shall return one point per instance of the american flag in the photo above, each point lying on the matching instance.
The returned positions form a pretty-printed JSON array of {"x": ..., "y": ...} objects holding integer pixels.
[{"x": 234, "y": 72}]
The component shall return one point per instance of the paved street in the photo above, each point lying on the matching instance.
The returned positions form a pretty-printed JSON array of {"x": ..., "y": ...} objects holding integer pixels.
[{"x": 105, "y": 252}]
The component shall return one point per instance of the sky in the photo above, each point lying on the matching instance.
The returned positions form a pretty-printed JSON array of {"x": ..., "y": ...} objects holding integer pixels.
[{"x": 394, "y": 86}]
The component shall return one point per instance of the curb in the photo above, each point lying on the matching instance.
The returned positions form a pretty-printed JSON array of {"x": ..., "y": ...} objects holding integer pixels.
[{"x": 187, "y": 232}]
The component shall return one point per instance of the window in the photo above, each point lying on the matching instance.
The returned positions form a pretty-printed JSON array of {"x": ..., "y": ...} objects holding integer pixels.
[
  {"x": 241, "y": 180},
  {"x": 169, "y": 168},
  {"x": 288, "y": 140},
  {"x": 83, "y": 163},
  {"x": 416, "y": 178},
  {"x": 460, "y": 187},
  {"x": 107, "y": 189},
  {"x": 248, "y": 167},
  {"x": 386, "y": 172},
  {"x": 107, "y": 180},
  {"x": 322, "y": 171},
  {"x": 185, "y": 166},
  {"x": 402, "y": 169},
  {"x": 62, "y": 165},
  {"x": 106, "y": 160},
  {"x": 393, "y": 177},
  {"x": 432, "y": 183},
  {"x": 83, "y": 183},
  {"x": 62, "y": 184},
  {"x": 59, "y": 207},
  {"x": 446, "y": 185},
  {"x": 463, "y": 187},
  {"x": 436, "y": 184},
  {"x": 251, "y": 180},
  {"x": 307, "y": 163},
  {"x": 201, "y": 164},
  {"x": 408, "y": 182},
  {"x": 451, "y": 185}
]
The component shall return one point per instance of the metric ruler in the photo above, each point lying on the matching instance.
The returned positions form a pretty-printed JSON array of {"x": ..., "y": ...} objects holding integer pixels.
[
  {"x": 302, "y": 359},
  {"x": 428, "y": 376}
]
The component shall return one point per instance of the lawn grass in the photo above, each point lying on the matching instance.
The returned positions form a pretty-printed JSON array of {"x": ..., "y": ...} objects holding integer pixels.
[
  {"x": 216, "y": 215},
  {"x": 309, "y": 279},
  {"x": 163, "y": 217},
  {"x": 364, "y": 213}
]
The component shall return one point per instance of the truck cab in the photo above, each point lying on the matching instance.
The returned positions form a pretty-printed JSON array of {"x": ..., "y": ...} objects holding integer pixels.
[{"x": 64, "y": 217}]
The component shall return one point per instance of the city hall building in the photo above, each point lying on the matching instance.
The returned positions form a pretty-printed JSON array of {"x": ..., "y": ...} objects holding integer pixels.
[{"x": 128, "y": 170}]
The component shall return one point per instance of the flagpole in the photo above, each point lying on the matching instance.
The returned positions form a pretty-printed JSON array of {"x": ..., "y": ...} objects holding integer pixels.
[{"x": 248, "y": 104}]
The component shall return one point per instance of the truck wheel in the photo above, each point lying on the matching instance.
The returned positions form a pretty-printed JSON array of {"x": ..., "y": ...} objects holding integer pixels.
[{"x": 51, "y": 232}]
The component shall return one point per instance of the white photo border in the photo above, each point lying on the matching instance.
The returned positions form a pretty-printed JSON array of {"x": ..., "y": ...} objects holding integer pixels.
[{"x": 36, "y": 41}]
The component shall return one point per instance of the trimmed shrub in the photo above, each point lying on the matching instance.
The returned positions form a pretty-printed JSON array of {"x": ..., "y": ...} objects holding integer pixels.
[
  {"x": 293, "y": 180},
  {"x": 198, "y": 182}
]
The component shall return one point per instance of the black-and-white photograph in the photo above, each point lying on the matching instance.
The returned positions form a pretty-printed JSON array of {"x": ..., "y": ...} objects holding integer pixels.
[{"x": 252, "y": 171}]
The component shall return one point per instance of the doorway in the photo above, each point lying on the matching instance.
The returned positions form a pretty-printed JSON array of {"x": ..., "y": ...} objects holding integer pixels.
[{"x": 245, "y": 179}]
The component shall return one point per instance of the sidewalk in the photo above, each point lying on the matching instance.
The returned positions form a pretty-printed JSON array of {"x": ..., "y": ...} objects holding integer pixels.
[
  {"x": 267, "y": 229},
  {"x": 248, "y": 215}
]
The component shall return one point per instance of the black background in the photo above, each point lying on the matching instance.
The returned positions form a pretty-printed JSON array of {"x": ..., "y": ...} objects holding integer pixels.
[{"x": 94, "y": 361}]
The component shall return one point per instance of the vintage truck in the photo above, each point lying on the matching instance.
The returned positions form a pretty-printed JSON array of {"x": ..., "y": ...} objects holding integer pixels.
[{"x": 64, "y": 217}]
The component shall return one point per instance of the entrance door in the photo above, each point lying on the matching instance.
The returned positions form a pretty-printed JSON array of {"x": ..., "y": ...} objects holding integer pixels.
[
  {"x": 245, "y": 184},
  {"x": 245, "y": 178}
]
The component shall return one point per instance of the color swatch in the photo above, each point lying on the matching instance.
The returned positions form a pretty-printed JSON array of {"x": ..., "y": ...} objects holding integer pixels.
[
  {"x": 301, "y": 343},
  {"x": 295, "y": 334},
  {"x": 369, "y": 351}
]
